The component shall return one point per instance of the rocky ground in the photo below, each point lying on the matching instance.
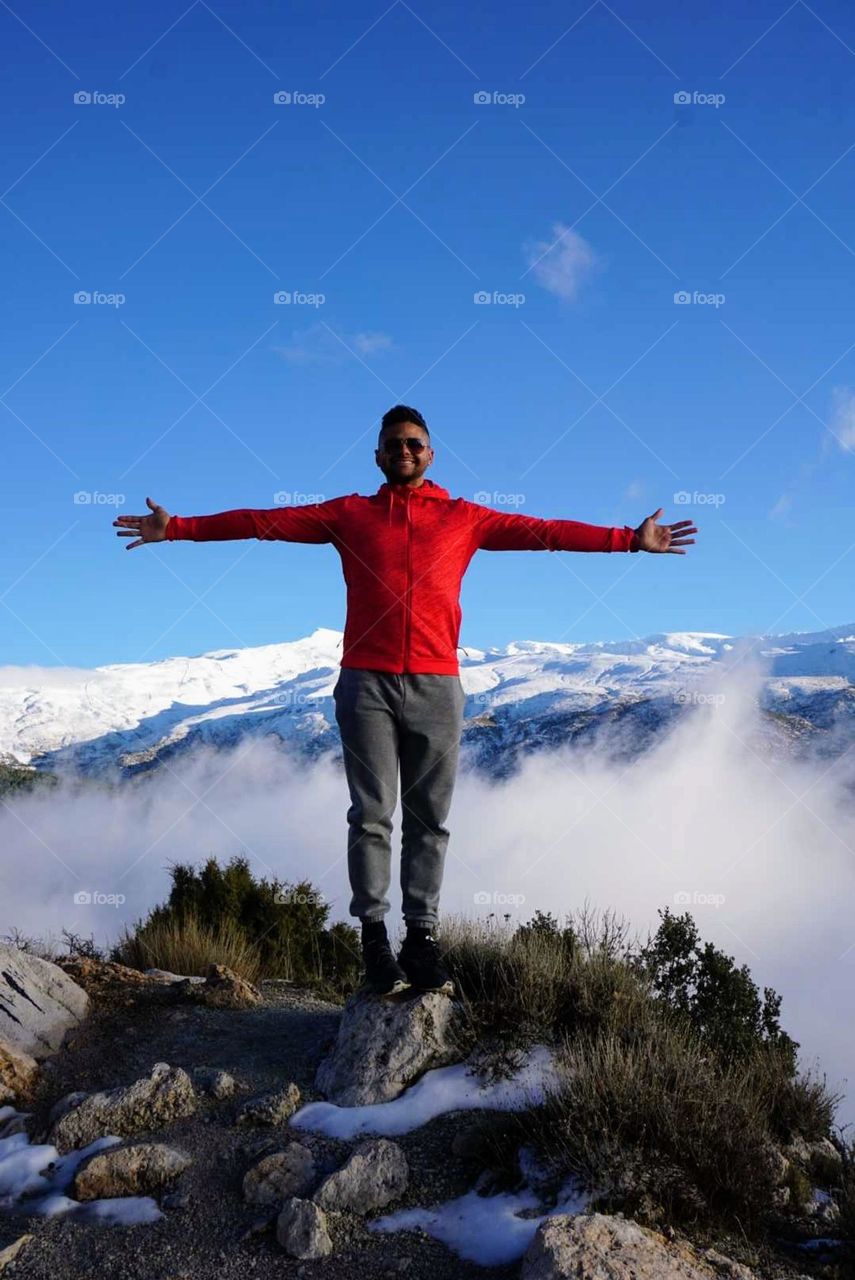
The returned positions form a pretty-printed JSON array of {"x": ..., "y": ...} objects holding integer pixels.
[
  {"x": 275, "y": 1043},
  {"x": 283, "y": 1039}
]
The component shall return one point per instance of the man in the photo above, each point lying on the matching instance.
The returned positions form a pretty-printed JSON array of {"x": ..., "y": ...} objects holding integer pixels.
[{"x": 398, "y": 699}]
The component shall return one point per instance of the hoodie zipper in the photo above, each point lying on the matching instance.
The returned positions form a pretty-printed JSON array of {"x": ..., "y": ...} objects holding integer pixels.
[{"x": 407, "y": 601}]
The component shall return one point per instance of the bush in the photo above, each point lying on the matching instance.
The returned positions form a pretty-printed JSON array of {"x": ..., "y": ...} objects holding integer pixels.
[
  {"x": 182, "y": 944},
  {"x": 541, "y": 981},
  {"x": 704, "y": 986},
  {"x": 270, "y": 927},
  {"x": 676, "y": 1076},
  {"x": 655, "y": 1125}
]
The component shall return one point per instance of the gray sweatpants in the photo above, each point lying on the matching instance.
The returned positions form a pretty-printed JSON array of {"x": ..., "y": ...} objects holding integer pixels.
[{"x": 387, "y": 722}]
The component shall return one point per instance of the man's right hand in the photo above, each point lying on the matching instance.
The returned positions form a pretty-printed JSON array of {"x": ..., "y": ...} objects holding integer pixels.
[{"x": 150, "y": 528}]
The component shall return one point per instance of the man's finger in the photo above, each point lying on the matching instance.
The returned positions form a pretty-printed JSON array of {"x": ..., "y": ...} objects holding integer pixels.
[
  {"x": 681, "y": 524},
  {"x": 127, "y": 533},
  {"x": 131, "y": 545}
]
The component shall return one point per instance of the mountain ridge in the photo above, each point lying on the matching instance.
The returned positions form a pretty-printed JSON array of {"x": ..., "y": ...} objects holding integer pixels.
[{"x": 130, "y": 715}]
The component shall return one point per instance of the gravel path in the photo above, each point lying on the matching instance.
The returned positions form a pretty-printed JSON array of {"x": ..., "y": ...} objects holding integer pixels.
[{"x": 279, "y": 1041}]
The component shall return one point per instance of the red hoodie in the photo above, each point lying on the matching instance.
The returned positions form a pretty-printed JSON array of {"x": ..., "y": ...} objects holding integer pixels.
[{"x": 404, "y": 552}]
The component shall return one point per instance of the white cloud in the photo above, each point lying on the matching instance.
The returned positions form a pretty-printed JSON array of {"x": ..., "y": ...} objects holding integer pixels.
[
  {"x": 317, "y": 344},
  {"x": 562, "y": 263},
  {"x": 781, "y": 507},
  {"x": 843, "y": 416},
  {"x": 707, "y": 812},
  {"x": 367, "y": 343}
]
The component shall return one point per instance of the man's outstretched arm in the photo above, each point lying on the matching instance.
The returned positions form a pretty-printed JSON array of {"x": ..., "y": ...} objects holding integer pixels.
[
  {"x": 504, "y": 531},
  {"x": 314, "y": 522}
]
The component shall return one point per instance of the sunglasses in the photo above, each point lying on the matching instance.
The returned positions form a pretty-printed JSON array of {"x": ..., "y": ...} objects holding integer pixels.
[{"x": 395, "y": 444}]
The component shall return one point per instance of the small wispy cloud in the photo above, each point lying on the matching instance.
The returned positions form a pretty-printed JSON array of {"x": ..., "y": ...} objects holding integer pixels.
[
  {"x": 318, "y": 344},
  {"x": 782, "y": 507},
  {"x": 367, "y": 343},
  {"x": 562, "y": 263},
  {"x": 842, "y": 421}
]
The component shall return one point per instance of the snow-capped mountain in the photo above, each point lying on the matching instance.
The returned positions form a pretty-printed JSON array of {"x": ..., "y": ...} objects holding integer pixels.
[{"x": 528, "y": 696}]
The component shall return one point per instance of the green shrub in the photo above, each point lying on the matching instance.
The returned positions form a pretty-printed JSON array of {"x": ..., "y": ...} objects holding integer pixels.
[
  {"x": 658, "y": 1122},
  {"x": 704, "y": 986},
  {"x": 677, "y": 1077},
  {"x": 226, "y": 907}
]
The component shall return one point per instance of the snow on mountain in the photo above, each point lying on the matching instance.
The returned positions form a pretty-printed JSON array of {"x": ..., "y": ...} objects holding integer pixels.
[{"x": 526, "y": 696}]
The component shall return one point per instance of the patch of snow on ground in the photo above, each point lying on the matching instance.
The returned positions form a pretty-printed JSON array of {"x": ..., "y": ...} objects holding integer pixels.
[
  {"x": 483, "y": 1229},
  {"x": 436, "y": 1092},
  {"x": 34, "y": 1178}
]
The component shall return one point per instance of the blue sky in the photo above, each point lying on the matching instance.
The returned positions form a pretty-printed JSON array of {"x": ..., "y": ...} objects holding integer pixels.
[{"x": 579, "y": 189}]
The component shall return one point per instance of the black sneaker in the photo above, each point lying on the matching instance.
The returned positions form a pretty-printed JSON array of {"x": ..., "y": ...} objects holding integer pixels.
[
  {"x": 421, "y": 960},
  {"x": 383, "y": 975}
]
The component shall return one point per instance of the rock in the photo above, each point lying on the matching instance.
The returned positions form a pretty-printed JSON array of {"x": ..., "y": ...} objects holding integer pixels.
[
  {"x": 18, "y": 1073},
  {"x": 214, "y": 1082},
  {"x": 98, "y": 976},
  {"x": 269, "y": 1108},
  {"x": 155, "y": 1100},
  {"x": 725, "y": 1267},
  {"x": 280, "y": 1176},
  {"x": 129, "y": 1171},
  {"x": 163, "y": 975},
  {"x": 10, "y": 1253},
  {"x": 66, "y": 1104},
  {"x": 301, "y": 1229},
  {"x": 820, "y": 1160},
  {"x": 384, "y": 1045},
  {"x": 374, "y": 1174},
  {"x": 612, "y": 1248},
  {"x": 223, "y": 989},
  {"x": 779, "y": 1163},
  {"x": 38, "y": 1002}
]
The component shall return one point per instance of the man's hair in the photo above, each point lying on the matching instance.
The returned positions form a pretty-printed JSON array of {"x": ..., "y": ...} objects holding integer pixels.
[{"x": 401, "y": 413}]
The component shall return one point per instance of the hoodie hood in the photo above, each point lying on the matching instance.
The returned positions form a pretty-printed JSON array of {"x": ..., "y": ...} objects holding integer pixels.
[{"x": 427, "y": 489}]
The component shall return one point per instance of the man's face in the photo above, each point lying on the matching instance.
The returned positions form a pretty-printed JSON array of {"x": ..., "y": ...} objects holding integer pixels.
[{"x": 400, "y": 463}]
